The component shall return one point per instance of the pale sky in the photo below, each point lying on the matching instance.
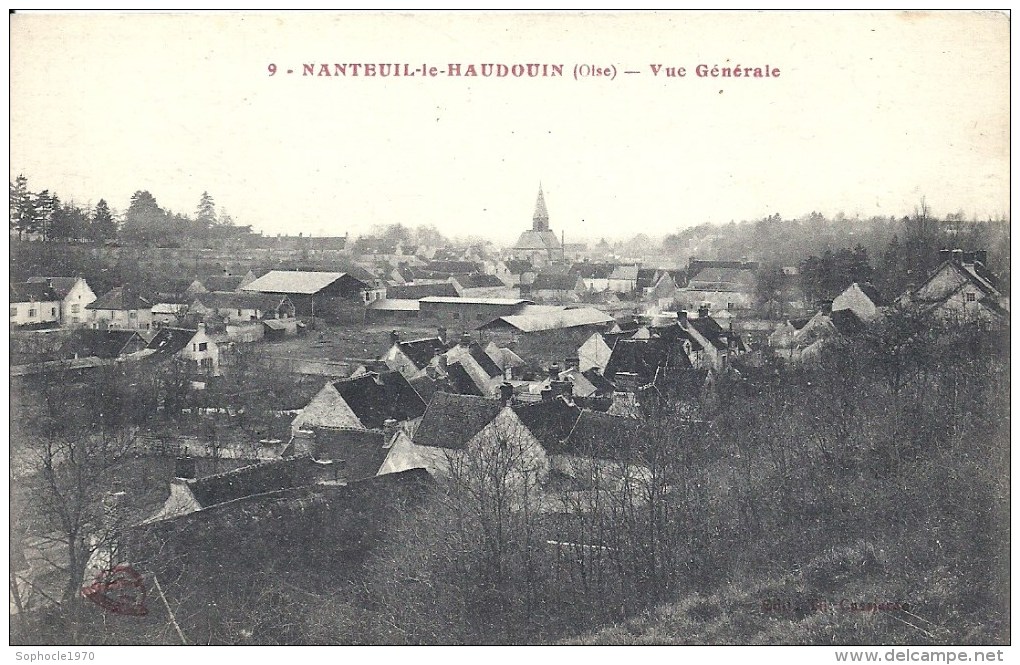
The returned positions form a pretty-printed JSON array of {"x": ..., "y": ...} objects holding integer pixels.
[{"x": 870, "y": 112}]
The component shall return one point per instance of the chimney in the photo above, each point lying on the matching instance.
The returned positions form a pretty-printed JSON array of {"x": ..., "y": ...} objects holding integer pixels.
[
  {"x": 958, "y": 256},
  {"x": 703, "y": 310},
  {"x": 945, "y": 255},
  {"x": 681, "y": 318},
  {"x": 390, "y": 428},
  {"x": 304, "y": 442},
  {"x": 186, "y": 467},
  {"x": 547, "y": 394},
  {"x": 506, "y": 392},
  {"x": 465, "y": 339},
  {"x": 981, "y": 256},
  {"x": 554, "y": 372},
  {"x": 394, "y": 337},
  {"x": 573, "y": 362},
  {"x": 441, "y": 334}
]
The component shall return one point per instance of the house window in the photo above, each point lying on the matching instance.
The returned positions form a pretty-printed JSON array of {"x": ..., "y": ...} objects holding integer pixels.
[
  {"x": 75, "y": 309},
  {"x": 729, "y": 305},
  {"x": 14, "y": 311},
  {"x": 194, "y": 347},
  {"x": 31, "y": 312},
  {"x": 971, "y": 297},
  {"x": 53, "y": 311},
  {"x": 203, "y": 346},
  {"x": 133, "y": 315},
  {"x": 239, "y": 314}
]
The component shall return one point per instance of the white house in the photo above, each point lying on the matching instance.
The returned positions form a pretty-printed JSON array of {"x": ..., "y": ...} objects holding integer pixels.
[
  {"x": 120, "y": 309},
  {"x": 33, "y": 304},
  {"x": 75, "y": 295}
]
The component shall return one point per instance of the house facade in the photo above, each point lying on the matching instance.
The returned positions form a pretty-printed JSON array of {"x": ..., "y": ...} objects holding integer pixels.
[
  {"x": 121, "y": 308},
  {"x": 75, "y": 295},
  {"x": 33, "y": 304}
]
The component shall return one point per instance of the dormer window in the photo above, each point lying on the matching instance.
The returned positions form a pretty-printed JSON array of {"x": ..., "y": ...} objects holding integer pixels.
[{"x": 971, "y": 297}]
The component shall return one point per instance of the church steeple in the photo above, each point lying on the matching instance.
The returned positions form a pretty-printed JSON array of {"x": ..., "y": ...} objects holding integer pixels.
[{"x": 541, "y": 217}]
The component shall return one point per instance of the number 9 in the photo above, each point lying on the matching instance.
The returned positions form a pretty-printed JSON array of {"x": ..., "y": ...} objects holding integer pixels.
[{"x": 272, "y": 69}]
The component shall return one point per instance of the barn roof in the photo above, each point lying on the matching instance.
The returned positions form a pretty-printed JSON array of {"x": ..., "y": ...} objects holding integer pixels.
[
  {"x": 377, "y": 397},
  {"x": 534, "y": 318},
  {"x": 295, "y": 281}
]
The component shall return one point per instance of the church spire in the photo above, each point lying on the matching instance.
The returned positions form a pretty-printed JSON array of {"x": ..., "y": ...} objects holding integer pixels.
[{"x": 541, "y": 217}]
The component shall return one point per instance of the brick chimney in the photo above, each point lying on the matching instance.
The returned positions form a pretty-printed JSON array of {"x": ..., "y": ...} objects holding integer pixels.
[
  {"x": 394, "y": 337},
  {"x": 554, "y": 372},
  {"x": 465, "y": 339},
  {"x": 390, "y": 428},
  {"x": 945, "y": 255},
  {"x": 703, "y": 310},
  {"x": 681, "y": 318},
  {"x": 506, "y": 392},
  {"x": 573, "y": 362},
  {"x": 958, "y": 256}
]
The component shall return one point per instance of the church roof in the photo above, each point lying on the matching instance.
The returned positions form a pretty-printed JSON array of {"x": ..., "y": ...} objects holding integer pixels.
[
  {"x": 537, "y": 240},
  {"x": 540, "y": 212}
]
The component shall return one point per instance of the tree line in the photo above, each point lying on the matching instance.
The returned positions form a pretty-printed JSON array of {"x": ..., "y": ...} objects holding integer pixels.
[{"x": 45, "y": 216}]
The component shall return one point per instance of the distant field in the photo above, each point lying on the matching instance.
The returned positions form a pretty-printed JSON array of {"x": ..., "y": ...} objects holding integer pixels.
[{"x": 338, "y": 342}]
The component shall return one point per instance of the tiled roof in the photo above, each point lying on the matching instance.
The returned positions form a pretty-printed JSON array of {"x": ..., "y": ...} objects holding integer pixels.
[
  {"x": 416, "y": 291},
  {"x": 603, "y": 436},
  {"x": 643, "y": 358},
  {"x": 61, "y": 285},
  {"x": 873, "y": 295},
  {"x": 593, "y": 270},
  {"x": 222, "y": 282},
  {"x": 555, "y": 282},
  {"x": 374, "y": 398},
  {"x": 101, "y": 343},
  {"x": 120, "y": 298},
  {"x": 361, "y": 451},
  {"x": 478, "y": 281},
  {"x": 271, "y": 476},
  {"x": 487, "y": 364},
  {"x": 550, "y": 420},
  {"x": 461, "y": 381},
  {"x": 709, "y": 329},
  {"x": 451, "y": 421},
  {"x": 422, "y": 351},
  {"x": 519, "y": 266},
  {"x": 846, "y": 322},
  {"x": 169, "y": 341},
  {"x": 453, "y": 267},
  {"x": 625, "y": 272},
  {"x": 32, "y": 292},
  {"x": 602, "y": 385}
]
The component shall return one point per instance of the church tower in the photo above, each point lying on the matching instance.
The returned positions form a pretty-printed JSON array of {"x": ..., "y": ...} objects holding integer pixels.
[{"x": 540, "y": 220}]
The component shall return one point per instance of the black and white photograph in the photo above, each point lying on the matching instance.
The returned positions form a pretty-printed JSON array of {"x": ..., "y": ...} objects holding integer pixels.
[{"x": 551, "y": 328}]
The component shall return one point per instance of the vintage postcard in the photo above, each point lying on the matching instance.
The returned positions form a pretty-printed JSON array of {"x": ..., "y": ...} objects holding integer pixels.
[{"x": 677, "y": 328}]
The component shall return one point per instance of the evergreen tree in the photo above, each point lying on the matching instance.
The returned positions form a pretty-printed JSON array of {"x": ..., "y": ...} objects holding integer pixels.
[
  {"x": 205, "y": 215},
  {"x": 22, "y": 212},
  {"x": 45, "y": 205},
  {"x": 145, "y": 221},
  {"x": 103, "y": 227}
]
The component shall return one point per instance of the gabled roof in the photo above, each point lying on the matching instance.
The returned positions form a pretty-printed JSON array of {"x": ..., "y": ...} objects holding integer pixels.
[
  {"x": 478, "y": 281},
  {"x": 61, "y": 285},
  {"x": 555, "y": 282},
  {"x": 550, "y": 420},
  {"x": 294, "y": 281},
  {"x": 32, "y": 292},
  {"x": 873, "y": 295},
  {"x": 535, "y": 318},
  {"x": 846, "y": 322},
  {"x": 416, "y": 291},
  {"x": 603, "y": 436},
  {"x": 461, "y": 381},
  {"x": 625, "y": 272},
  {"x": 101, "y": 343},
  {"x": 709, "y": 329},
  {"x": 451, "y": 421},
  {"x": 222, "y": 282},
  {"x": 593, "y": 270},
  {"x": 362, "y": 451},
  {"x": 643, "y": 358},
  {"x": 120, "y": 298},
  {"x": 265, "y": 302},
  {"x": 376, "y": 397},
  {"x": 246, "y": 481},
  {"x": 646, "y": 277},
  {"x": 169, "y": 341},
  {"x": 487, "y": 364},
  {"x": 603, "y": 386},
  {"x": 422, "y": 351},
  {"x": 476, "y": 301}
]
